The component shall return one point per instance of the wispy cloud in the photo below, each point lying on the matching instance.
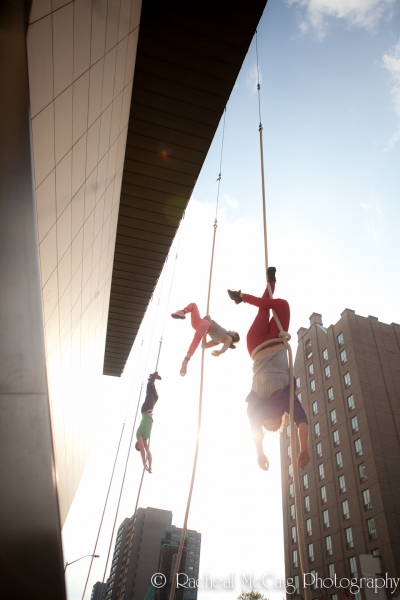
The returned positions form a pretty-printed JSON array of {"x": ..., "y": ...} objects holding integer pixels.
[
  {"x": 374, "y": 211},
  {"x": 356, "y": 13},
  {"x": 252, "y": 78},
  {"x": 391, "y": 62},
  {"x": 233, "y": 203}
]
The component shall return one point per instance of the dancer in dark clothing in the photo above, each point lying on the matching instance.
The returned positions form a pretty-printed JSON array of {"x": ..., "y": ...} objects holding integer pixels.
[{"x": 144, "y": 430}]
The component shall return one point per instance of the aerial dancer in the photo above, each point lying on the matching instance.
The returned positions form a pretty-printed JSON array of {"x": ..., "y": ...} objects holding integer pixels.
[
  {"x": 205, "y": 326},
  {"x": 144, "y": 430},
  {"x": 268, "y": 401}
]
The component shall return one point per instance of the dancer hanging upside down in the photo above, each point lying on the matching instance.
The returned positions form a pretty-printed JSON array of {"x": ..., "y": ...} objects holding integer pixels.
[
  {"x": 268, "y": 401},
  {"x": 144, "y": 430},
  {"x": 218, "y": 334}
]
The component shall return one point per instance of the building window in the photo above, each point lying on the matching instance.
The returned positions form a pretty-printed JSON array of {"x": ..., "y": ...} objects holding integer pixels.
[
  {"x": 311, "y": 552},
  {"x": 292, "y": 512},
  {"x": 333, "y": 417},
  {"x": 343, "y": 356},
  {"x": 297, "y": 383},
  {"x": 367, "y": 500},
  {"x": 354, "y": 424},
  {"x": 288, "y": 430},
  {"x": 289, "y": 451},
  {"x": 291, "y": 490},
  {"x": 342, "y": 484},
  {"x": 312, "y": 385},
  {"x": 349, "y": 537},
  {"x": 336, "y": 439},
  {"x": 313, "y": 579},
  {"x": 331, "y": 571},
  {"x": 314, "y": 408},
  {"x": 305, "y": 481},
  {"x": 345, "y": 510},
  {"x": 294, "y": 534},
  {"x": 371, "y": 528},
  {"x": 295, "y": 559},
  {"x": 307, "y": 507},
  {"x": 362, "y": 472},
  {"x": 375, "y": 552},
  {"x": 311, "y": 369},
  {"x": 317, "y": 430},
  {"x": 308, "y": 348},
  {"x": 358, "y": 447},
  {"x": 319, "y": 450},
  {"x": 299, "y": 397},
  {"x": 340, "y": 339},
  {"x": 347, "y": 380},
  {"x": 297, "y": 584},
  {"x": 321, "y": 471},
  {"x": 324, "y": 498},
  {"x": 309, "y": 527},
  {"x": 339, "y": 460},
  {"x": 328, "y": 545},
  {"x": 325, "y": 354},
  {"x": 330, "y": 394},
  {"x": 351, "y": 403},
  {"x": 353, "y": 567},
  {"x": 325, "y": 516},
  {"x": 290, "y": 470},
  {"x": 327, "y": 371}
]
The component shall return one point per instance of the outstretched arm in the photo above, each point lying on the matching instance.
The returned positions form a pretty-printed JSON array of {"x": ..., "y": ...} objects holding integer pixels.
[
  {"x": 142, "y": 449},
  {"x": 149, "y": 457},
  {"x": 227, "y": 341},
  {"x": 304, "y": 457},
  {"x": 262, "y": 459}
]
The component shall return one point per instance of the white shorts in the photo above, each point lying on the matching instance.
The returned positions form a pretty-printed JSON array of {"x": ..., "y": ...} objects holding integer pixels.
[{"x": 270, "y": 373}]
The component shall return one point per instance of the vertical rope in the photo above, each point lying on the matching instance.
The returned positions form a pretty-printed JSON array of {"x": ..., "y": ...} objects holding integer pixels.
[
  {"x": 211, "y": 267},
  {"x": 120, "y": 493},
  {"x": 156, "y": 367},
  {"x": 260, "y": 130},
  {"x": 200, "y": 411},
  {"x": 285, "y": 337},
  {"x": 130, "y": 447},
  {"x": 104, "y": 509}
]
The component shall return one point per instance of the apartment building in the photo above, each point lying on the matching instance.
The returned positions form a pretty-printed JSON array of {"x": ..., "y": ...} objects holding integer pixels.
[{"x": 348, "y": 380}]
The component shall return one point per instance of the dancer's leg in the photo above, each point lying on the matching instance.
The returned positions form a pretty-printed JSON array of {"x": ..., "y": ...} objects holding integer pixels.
[
  {"x": 194, "y": 314},
  {"x": 203, "y": 327}
]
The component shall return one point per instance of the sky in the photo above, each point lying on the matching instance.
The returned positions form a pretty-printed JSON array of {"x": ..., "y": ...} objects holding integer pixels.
[{"x": 330, "y": 106}]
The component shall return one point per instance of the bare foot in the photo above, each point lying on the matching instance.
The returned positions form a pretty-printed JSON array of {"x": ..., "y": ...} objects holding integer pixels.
[
  {"x": 303, "y": 459},
  {"x": 263, "y": 462}
]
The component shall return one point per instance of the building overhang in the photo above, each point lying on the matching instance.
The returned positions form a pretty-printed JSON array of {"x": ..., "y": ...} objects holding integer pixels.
[{"x": 189, "y": 55}]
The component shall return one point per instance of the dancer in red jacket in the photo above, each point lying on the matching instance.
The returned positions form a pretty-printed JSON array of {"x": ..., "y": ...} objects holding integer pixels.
[{"x": 268, "y": 401}]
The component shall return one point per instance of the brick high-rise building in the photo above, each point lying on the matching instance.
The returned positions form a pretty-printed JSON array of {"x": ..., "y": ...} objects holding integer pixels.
[
  {"x": 99, "y": 591},
  {"x": 150, "y": 551},
  {"x": 188, "y": 572},
  {"x": 348, "y": 380}
]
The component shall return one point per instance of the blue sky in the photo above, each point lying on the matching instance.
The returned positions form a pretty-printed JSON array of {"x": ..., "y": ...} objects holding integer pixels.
[
  {"x": 330, "y": 92},
  {"x": 330, "y": 102}
]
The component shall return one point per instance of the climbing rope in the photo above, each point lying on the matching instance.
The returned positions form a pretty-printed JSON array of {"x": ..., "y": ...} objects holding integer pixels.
[
  {"x": 125, "y": 564},
  {"x": 196, "y": 454},
  {"x": 106, "y": 500},
  {"x": 284, "y": 337},
  {"x": 260, "y": 130},
  {"x": 104, "y": 510},
  {"x": 130, "y": 442}
]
